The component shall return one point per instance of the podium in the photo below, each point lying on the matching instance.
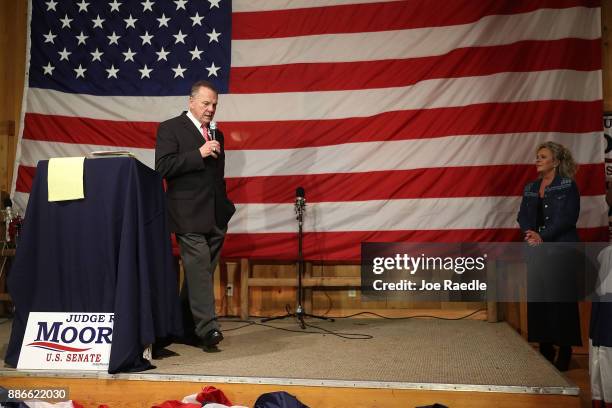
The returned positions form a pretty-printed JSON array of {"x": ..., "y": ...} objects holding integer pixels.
[{"x": 109, "y": 252}]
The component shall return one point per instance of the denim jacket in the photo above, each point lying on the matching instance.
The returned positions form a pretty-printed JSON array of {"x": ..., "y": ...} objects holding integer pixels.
[{"x": 561, "y": 207}]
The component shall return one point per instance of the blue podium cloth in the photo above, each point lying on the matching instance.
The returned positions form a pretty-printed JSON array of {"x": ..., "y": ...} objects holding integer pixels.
[{"x": 109, "y": 252}]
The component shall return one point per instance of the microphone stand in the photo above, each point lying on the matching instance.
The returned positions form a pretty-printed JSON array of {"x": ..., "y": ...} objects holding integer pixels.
[{"x": 300, "y": 209}]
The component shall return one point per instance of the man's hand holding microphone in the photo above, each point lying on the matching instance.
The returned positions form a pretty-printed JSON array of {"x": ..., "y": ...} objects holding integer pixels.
[{"x": 210, "y": 148}]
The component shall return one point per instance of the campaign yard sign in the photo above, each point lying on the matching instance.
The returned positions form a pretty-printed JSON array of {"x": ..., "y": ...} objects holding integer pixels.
[{"x": 67, "y": 341}]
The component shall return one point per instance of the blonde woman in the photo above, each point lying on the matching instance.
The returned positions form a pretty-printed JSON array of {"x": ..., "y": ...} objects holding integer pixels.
[{"x": 549, "y": 213}]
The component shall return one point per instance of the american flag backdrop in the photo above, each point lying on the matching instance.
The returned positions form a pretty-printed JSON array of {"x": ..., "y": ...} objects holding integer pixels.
[{"x": 403, "y": 120}]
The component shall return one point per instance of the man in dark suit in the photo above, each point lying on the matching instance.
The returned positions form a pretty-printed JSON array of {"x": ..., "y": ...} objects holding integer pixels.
[{"x": 191, "y": 157}]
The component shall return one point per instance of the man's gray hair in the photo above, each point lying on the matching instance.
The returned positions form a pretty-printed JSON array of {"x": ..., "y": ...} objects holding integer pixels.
[{"x": 202, "y": 84}]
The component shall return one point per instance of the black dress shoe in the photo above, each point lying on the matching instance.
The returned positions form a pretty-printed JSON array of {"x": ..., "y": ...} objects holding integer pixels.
[{"x": 212, "y": 338}]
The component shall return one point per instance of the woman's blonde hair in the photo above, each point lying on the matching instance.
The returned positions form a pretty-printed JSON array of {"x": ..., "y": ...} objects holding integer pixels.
[{"x": 567, "y": 167}]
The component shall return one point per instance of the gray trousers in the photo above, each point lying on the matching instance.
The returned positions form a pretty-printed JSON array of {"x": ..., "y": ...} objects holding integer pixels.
[{"x": 200, "y": 255}]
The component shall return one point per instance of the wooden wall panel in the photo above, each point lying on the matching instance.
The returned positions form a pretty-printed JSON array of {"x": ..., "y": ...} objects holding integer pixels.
[{"x": 13, "y": 16}]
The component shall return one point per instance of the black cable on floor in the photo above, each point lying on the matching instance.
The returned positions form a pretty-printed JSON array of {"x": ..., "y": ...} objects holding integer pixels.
[
  {"x": 407, "y": 317},
  {"x": 348, "y": 336},
  {"x": 391, "y": 318}
]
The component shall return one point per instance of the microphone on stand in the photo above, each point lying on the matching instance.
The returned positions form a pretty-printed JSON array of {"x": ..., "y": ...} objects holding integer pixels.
[
  {"x": 300, "y": 202},
  {"x": 300, "y": 196}
]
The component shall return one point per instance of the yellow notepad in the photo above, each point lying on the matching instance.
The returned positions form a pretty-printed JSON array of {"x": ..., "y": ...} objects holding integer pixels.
[{"x": 65, "y": 178}]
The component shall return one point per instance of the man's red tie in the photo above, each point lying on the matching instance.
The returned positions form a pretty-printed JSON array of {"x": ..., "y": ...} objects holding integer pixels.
[{"x": 205, "y": 132}]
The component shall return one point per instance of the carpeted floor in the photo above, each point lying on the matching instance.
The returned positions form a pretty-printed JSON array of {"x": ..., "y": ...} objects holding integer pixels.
[
  {"x": 416, "y": 351},
  {"x": 412, "y": 351}
]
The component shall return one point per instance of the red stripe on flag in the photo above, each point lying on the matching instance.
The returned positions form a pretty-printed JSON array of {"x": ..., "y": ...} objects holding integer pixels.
[
  {"x": 492, "y": 118},
  {"x": 25, "y": 177},
  {"x": 66, "y": 129},
  {"x": 333, "y": 246},
  {"x": 449, "y": 182},
  {"x": 523, "y": 56},
  {"x": 398, "y": 15},
  {"x": 477, "y": 181}
]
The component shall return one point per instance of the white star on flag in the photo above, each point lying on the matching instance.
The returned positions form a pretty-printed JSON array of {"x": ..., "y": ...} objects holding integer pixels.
[
  {"x": 64, "y": 54},
  {"x": 96, "y": 55},
  {"x": 81, "y": 37},
  {"x": 214, "y": 36},
  {"x": 98, "y": 21},
  {"x": 162, "y": 54},
  {"x": 80, "y": 71},
  {"x": 129, "y": 55},
  {"x": 180, "y": 37},
  {"x": 112, "y": 72},
  {"x": 114, "y": 5},
  {"x": 49, "y": 37},
  {"x": 212, "y": 70},
  {"x": 147, "y": 5},
  {"x": 130, "y": 22},
  {"x": 146, "y": 38},
  {"x": 178, "y": 71},
  {"x": 113, "y": 39},
  {"x": 197, "y": 19},
  {"x": 195, "y": 53},
  {"x": 180, "y": 4},
  {"x": 51, "y": 5},
  {"x": 48, "y": 69},
  {"x": 83, "y": 6},
  {"x": 66, "y": 21},
  {"x": 214, "y": 3},
  {"x": 163, "y": 20},
  {"x": 144, "y": 72}
]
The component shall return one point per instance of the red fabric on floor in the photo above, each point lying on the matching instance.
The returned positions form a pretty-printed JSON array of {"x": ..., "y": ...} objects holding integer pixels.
[{"x": 212, "y": 394}]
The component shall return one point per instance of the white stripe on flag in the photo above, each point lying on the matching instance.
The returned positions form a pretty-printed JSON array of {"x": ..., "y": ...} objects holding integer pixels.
[
  {"x": 392, "y": 215},
  {"x": 526, "y": 86},
  {"x": 539, "y": 25},
  {"x": 398, "y": 215},
  {"x": 33, "y": 151},
  {"x": 452, "y": 151},
  {"x": 239, "y": 6},
  {"x": 470, "y": 150}
]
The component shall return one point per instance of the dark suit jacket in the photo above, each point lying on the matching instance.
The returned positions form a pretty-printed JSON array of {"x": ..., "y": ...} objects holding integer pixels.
[
  {"x": 561, "y": 203},
  {"x": 196, "y": 196}
]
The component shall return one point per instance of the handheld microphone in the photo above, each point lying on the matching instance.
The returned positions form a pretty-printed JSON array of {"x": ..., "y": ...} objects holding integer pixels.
[{"x": 213, "y": 130}]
